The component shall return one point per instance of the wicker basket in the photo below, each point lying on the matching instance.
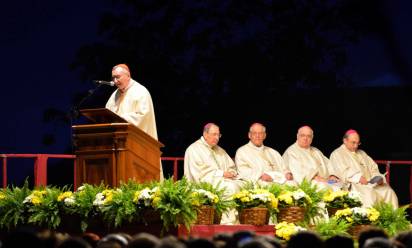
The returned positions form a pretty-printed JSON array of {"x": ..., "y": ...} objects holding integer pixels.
[
  {"x": 205, "y": 215},
  {"x": 254, "y": 216},
  {"x": 332, "y": 211},
  {"x": 291, "y": 214},
  {"x": 355, "y": 230},
  {"x": 218, "y": 218}
]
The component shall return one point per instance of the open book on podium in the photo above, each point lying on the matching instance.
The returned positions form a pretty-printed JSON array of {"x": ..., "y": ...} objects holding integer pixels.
[{"x": 111, "y": 150}]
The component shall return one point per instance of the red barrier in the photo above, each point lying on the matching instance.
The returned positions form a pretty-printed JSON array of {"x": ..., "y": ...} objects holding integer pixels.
[{"x": 40, "y": 167}]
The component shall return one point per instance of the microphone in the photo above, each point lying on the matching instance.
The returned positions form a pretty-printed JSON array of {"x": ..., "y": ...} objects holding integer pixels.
[{"x": 111, "y": 83}]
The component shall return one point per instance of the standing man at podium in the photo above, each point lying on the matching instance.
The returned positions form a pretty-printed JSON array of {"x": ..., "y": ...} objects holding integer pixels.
[{"x": 132, "y": 102}]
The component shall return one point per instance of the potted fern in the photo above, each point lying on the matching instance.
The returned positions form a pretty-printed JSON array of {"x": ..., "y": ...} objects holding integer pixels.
[
  {"x": 12, "y": 209},
  {"x": 393, "y": 220}
]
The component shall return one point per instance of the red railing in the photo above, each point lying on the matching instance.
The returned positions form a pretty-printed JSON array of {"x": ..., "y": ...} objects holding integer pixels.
[
  {"x": 40, "y": 166},
  {"x": 389, "y": 163}
]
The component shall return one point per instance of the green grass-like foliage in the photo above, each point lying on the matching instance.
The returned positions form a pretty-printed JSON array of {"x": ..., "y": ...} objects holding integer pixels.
[
  {"x": 331, "y": 227},
  {"x": 223, "y": 204},
  {"x": 391, "y": 219},
  {"x": 316, "y": 195},
  {"x": 83, "y": 206},
  {"x": 175, "y": 203},
  {"x": 12, "y": 209},
  {"x": 46, "y": 211},
  {"x": 121, "y": 208}
]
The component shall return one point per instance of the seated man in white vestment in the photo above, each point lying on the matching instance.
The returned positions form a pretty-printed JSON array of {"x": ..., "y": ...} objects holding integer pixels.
[
  {"x": 205, "y": 161},
  {"x": 259, "y": 163},
  {"x": 354, "y": 166},
  {"x": 308, "y": 162}
]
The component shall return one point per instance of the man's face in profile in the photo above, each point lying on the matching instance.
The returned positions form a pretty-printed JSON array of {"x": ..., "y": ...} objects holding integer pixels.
[
  {"x": 121, "y": 78},
  {"x": 212, "y": 136}
]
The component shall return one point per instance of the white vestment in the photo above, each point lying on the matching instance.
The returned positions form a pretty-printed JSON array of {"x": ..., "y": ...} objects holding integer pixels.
[
  {"x": 136, "y": 107},
  {"x": 207, "y": 164},
  {"x": 204, "y": 163},
  {"x": 252, "y": 161},
  {"x": 350, "y": 166},
  {"x": 306, "y": 163}
]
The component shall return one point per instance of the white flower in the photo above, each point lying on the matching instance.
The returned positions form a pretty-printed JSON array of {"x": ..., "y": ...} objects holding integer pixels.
[
  {"x": 81, "y": 188},
  {"x": 264, "y": 197},
  {"x": 145, "y": 194},
  {"x": 99, "y": 199},
  {"x": 206, "y": 193},
  {"x": 354, "y": 195},
  {"x": 28, "y": 199},
  {"x": 360, "y": 211},
  {"x": 69, "y": 201},
  {"x": 298, "y": 194}
]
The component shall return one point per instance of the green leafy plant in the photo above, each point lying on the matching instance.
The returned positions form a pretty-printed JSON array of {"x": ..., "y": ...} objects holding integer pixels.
[
  {"x": 316, "y": 195},
  {"x": 391, "y": 219},
  {"x": 207, "y": 194},
  {"x": 358, "y": 216},
  {"x": 43, "y": 207},
  {"x": 342, "y": 199},
  {"x": 82, "y": 203},
  {"x": 327, "y": 228},
  {"x": 250, "y": 198},
  {"x": 174, "y": 202},
  {"x": 119, "y": 206},
  {"x": 12, "y": 209}
]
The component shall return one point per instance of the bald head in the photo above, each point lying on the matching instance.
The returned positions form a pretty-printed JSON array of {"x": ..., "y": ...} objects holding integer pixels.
[
  {"x": 304, "y": 136},
  {"x": 257, "y": 134},
  {"x": 121, "y": 77},
  {"x": 122, "y": 68}
]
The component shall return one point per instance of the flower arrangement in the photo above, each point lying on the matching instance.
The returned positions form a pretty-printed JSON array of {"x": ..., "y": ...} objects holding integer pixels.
[
  {"x": 81, "y": 203},
  {"x": 358, "y": 216},
  {"x": 393, "y": 220},
  {"x": 255, "y": 198},
  {"x": 296, "y": 198},
  {"x": 342, "y": 199},
  {"x": 327, "y": 228},
  {"x": 12, "y": 208},
  {"x": 43, "y": 207},
  {"x": 284, "y": 230},
  {"x": 147, "y": 197},
  {"x": 175, "y": 203}
]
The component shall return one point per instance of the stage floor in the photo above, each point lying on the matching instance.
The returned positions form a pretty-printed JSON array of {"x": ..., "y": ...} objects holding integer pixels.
[{"x": 208, "y": 231}]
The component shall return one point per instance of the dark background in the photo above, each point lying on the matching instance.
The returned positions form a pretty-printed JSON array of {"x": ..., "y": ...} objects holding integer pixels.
[{"x": 333, "y": 65}]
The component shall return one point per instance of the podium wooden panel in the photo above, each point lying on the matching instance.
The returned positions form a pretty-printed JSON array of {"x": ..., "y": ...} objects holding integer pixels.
[{"x": 114, "y": 152}]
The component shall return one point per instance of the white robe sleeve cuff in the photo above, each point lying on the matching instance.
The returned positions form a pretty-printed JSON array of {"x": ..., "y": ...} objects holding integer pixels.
[
  {"x": 219, "y": 173},
  {"x": 355, "y": 178}
]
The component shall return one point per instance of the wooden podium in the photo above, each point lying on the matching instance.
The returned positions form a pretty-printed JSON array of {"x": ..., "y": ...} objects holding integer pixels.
[{"x": 111, "y": 150}]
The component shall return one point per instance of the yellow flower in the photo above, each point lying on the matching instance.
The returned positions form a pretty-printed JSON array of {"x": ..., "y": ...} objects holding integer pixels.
[
  {"x": 196, "y": 203},
  {"x": 136, "y": 196},
  {"x": 36, "y": 200},
  {"x": 373, "y": 214},
  {"x": 245, "y": 199},
  {"x": 156, "y": 201},
  {"x": 2, "y": 196},
  {"x": 64, "y": 195},
  {"x": 286, "y": 197}
]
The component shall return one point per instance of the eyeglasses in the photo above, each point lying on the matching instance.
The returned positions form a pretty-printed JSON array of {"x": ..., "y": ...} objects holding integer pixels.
[
  {"x": 215, "y": 135},
  {"x": 355, "y": 143},
  {"x": 257, "y": 133}
]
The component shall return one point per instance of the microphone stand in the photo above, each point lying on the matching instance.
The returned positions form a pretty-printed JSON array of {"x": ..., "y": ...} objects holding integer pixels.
[{"x": 74, "y": 111}]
